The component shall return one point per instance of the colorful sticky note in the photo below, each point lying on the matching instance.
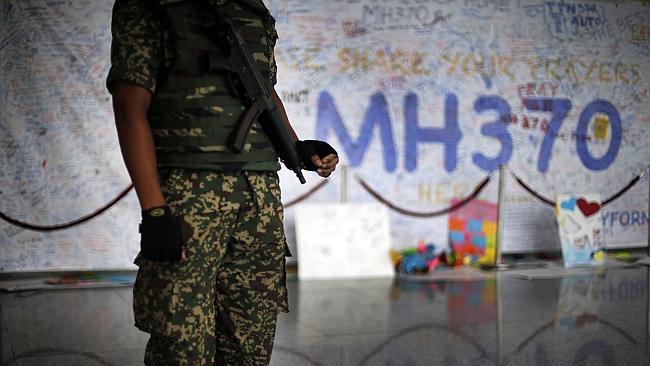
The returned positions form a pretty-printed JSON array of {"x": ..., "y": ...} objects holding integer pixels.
[
  {"x": 456, "y": 236},
  {"x": 489, "y": 228},
  {"x": 490, "y": 241},
  {"x": 456, "y": 224},
  {"x": 479, "y": 241},
  {"x": 601, "y": 126},
  {"x": 475, "y": 226}
]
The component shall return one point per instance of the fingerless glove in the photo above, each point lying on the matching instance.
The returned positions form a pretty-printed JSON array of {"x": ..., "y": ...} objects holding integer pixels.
[
  {"x": 161, "y": 235},
  {"x": 309, "y": 148}
]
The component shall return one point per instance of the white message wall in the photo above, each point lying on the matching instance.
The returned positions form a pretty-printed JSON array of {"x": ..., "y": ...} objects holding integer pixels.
[
  {"x": 421, "y": 99},
  {"x": 59, "y": 156}
]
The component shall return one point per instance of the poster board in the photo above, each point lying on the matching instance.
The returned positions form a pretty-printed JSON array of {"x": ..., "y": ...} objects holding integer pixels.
[
  {"x": 581, "y": 229},
  {"x": 343, "y": 241}
]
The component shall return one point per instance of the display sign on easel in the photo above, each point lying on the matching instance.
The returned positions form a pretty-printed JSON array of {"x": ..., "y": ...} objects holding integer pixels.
[
  {"x": 343, "y": 241},
  {"x": 581, "y": 229}
]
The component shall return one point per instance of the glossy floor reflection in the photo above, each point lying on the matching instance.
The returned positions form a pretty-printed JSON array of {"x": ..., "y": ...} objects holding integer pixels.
[{"x": 601, "y": 319}]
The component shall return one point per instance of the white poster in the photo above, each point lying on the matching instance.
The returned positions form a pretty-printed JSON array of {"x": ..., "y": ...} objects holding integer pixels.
[{"x": 343, "y": 241}]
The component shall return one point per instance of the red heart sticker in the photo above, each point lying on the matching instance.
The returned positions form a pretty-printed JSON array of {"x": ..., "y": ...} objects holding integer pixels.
[{"x": 588, "y": 208}]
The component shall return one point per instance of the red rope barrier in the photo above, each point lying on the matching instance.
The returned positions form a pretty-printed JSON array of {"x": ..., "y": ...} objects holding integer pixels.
[
  {"x": 552, "y": 203},
  {"x": 443, "y": 211},
  {"x": 306, "y": 194},
  {"x": 69, "y": 224},
  {"x": 532, "y": 191}
]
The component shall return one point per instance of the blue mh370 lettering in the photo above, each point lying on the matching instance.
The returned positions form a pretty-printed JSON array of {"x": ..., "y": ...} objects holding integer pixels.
[{"x": 449, "y": 135}]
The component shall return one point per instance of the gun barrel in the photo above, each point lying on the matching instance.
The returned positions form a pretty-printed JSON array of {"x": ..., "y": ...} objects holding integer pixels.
[
  {"x": 301, "y": 177},
  {"x": 282, "y": 142}
]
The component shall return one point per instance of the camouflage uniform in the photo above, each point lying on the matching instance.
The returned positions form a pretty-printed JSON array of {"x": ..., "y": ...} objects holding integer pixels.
[{"x": 219, "y": 304}]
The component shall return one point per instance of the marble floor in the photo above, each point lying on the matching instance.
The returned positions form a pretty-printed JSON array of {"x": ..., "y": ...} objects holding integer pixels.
[{"x": 597, "y": 319}]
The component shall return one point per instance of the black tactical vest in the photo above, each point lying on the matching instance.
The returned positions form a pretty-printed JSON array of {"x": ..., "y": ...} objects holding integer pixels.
[{"x": 194, "y": 109}]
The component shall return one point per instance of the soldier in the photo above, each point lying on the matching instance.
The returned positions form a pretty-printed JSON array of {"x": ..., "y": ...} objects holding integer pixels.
[{"x": 211, "y": 276}]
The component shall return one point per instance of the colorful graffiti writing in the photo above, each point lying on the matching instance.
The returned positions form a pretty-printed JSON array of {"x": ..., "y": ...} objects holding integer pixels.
[{"x": 449, "y": 135}]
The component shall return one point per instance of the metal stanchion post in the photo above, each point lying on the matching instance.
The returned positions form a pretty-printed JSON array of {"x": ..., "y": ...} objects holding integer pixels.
[
  {"x": 344, "y": 184},
  {"x": 500, "y": 217},
  {"x": 648, "y": 268},
  {"x": 499, "y": 300}
]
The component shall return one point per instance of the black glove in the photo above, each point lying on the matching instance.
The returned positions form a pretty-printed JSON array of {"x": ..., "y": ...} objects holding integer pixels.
[
  {"x": 161, "y": 235},
  {"x": 309, "y": 148}
]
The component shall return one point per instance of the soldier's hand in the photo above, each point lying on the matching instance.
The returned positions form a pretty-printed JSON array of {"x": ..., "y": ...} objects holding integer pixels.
[
  {"x": 161, "y": 235},
  {"x": 325, "y": 166},
  {"x": 318, "y": 156}
]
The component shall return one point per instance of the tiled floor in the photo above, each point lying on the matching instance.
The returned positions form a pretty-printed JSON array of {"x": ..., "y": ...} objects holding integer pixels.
[{"x": 601, "y": 319}]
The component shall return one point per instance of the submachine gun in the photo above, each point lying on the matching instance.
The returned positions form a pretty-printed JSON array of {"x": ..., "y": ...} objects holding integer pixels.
[{"x": 247, "y": 82}]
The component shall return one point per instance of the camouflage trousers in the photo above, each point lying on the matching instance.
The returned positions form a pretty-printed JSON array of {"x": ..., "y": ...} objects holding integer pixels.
[{"x": 218, "y": 305}]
